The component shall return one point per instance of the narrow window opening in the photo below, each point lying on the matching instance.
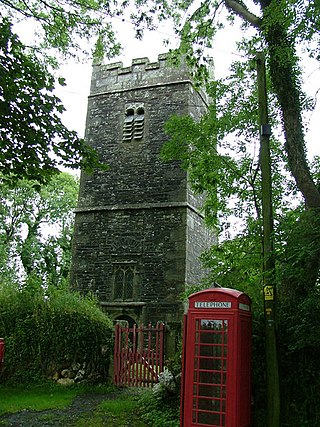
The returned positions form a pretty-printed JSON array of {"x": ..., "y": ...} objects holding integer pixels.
[
  {"x": 123, "y": 282},
  {"x": 139, "y": 124}
]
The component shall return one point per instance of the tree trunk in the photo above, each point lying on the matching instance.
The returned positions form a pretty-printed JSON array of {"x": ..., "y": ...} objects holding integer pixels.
[{"x": 284, "y": 72}]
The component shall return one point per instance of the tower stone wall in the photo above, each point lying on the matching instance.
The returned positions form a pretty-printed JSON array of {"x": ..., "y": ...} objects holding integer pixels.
[{"x": 139, "y": 230}]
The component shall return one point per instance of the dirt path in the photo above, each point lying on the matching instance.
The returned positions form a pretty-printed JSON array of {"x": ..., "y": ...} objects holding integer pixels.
[{"x": 82, "y": 406}]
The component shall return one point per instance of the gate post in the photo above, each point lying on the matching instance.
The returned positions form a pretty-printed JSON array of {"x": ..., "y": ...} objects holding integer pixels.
[{"x": 116, "y": 353}]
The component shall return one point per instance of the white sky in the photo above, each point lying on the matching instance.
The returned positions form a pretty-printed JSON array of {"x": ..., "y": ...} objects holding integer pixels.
[{"x": 74, "y": 95}]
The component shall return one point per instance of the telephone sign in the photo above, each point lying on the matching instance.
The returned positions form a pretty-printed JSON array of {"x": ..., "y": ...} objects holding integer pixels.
[
  {"x": 216, "y": 381},
  {"x": 212, "y": 304}
]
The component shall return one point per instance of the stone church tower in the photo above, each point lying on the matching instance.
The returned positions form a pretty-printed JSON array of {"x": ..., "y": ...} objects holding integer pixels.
[{"x": 138, "y": 229}]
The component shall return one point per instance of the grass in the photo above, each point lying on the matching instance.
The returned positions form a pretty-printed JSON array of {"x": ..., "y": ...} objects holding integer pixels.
[
  {"x": 39, "y": 397},
  {"x": 120, "y": 412},
  {"x": 120, "y": 407}
]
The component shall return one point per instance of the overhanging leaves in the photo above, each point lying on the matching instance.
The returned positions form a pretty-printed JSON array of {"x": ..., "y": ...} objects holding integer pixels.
[{"x": 34, "y": 143}]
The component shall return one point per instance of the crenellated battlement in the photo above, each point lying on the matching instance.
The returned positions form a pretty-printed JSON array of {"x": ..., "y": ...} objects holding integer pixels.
[{"x": 141, "y": 73}]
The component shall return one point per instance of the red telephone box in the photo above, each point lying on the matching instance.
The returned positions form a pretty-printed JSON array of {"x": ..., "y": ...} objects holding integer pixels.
[{"x": 216, "y": 365}]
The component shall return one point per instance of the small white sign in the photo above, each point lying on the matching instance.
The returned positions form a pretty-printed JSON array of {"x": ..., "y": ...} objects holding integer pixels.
[
  {"x": 245, "y": 307},
  {"x": 212, "y": 304}
]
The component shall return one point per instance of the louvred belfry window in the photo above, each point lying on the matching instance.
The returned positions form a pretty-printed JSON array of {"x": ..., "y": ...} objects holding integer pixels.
[
  {"x": 128, "y": 125},
  {"x": 133, "y": 126}
]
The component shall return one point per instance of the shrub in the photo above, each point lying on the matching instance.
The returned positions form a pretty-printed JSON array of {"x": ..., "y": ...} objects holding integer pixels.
[
  {"x": 160, "y": 407},
  {"x": 158, "y": 412},
  {"x": 49, "y": 330}
]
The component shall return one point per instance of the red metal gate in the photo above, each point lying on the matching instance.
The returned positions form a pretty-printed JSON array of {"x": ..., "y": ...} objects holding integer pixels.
[{"x": 138, "y": 355}]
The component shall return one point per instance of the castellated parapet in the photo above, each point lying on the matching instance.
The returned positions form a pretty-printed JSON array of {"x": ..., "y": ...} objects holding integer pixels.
[{"x": 141, "y": 73}]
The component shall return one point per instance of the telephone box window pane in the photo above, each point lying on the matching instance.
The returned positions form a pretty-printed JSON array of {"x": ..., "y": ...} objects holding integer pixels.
[
  {"x": 211, "y": 324},
  {"x": 205, "y": 390},
  {"x": 210, "y": 419},
  {"x": 223, "y": 392},
  {"x": 206, "y": 377},
  {"x": 209, "y": 405},
  {"x": 217, "y": 364},
  {"x": 210, "y": 377},
  {"x": 217, "y": 391},
  {"x": 208, "y": 355},
  {"x": 224, "y": 364},
  {"x": 216, "y": 405}
]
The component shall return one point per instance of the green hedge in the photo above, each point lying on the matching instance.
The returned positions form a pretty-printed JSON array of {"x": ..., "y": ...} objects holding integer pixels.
[{"x": 47, "y": 331}]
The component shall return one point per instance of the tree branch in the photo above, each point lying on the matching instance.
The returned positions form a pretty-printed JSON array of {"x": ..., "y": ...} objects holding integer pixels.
[{"x": 241, "y": 10}]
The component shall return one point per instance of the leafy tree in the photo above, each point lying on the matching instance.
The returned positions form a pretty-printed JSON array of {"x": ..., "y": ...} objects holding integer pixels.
[
  {"x": 62, "y": 26},
  {"x": 33, "y": 141},
  {"x": 36, "y": 228}
]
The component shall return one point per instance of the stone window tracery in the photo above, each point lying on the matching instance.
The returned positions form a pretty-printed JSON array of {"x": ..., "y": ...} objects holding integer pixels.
[{"x": 124, "y": 276}]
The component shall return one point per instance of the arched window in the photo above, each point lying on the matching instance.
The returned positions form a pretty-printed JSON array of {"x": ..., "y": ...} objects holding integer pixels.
[{"x": 123, "y": 281}]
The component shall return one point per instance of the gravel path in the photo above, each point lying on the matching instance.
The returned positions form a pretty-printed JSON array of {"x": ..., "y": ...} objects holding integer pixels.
[{"x": 82, "y": 406}]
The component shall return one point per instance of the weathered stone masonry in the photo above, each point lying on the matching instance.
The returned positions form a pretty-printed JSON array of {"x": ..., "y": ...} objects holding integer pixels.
[{"x": 138, "y": 227}]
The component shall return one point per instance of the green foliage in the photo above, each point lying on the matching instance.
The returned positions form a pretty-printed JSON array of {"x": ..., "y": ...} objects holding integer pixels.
[
  {"x": 36, "y": 224},
  {"x": 61, "y": 26},
  {"x": 159, "y": 412},
  {"x": 299, "y": 317},
  {"x": 236, "y": 263},
  {"x": 221, "y": 153},
  {"x": 46, "y": 331},
  {"x": 34, "y": 141}
]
